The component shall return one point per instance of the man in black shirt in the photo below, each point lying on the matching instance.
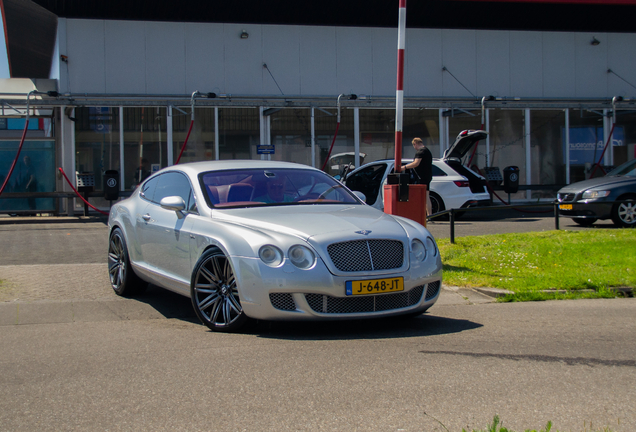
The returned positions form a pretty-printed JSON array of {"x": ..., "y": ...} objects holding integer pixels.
[{"x": 423, "y": 167}]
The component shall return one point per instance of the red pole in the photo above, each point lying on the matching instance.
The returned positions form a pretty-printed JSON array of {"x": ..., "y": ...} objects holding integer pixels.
[{"x": 399, "y": 94}]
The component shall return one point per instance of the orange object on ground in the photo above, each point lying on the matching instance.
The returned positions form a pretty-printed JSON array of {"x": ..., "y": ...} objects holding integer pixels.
[{"x": 414, "y": 208}]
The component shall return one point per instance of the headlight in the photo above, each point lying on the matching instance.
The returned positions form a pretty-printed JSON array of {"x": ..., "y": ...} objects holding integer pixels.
[
  {"x": 431, "y": 246},
  {"x": 301, "y": 256},
  {"x": 271, "y": 255},
  {"x": 589, "y": 194},
  {"x": 418, "y": 250}
]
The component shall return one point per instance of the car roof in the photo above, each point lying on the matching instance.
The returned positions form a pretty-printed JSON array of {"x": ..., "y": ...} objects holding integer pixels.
[{"x": 194, "y": 168}]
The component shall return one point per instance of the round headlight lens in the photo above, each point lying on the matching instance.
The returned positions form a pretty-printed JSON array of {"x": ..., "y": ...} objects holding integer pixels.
[
  {"x": 418, "y": 249},
  {"x": 301, "y": 256},
  {"x": 271, "y": 255}
]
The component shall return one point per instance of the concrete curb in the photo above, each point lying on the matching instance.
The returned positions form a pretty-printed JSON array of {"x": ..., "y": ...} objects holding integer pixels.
[
  {"x": 21, "y": 220},
  {"x": 494, "y": 292}
]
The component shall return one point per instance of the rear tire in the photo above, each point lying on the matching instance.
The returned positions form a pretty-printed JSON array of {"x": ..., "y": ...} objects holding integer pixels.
[
  {"x": 123, "y": 279},
  {"x": 624, "y": 214},
  {"x": 437, "y": 205},
  {"x": 584, "y": 222}
]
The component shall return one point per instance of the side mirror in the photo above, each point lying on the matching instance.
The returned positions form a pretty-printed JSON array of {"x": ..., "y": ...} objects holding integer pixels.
[
  {"x": 175, "y": 203},
  {"x": 360, "y": 195}
]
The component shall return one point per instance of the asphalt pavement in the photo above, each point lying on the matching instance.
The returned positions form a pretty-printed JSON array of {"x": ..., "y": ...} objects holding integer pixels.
[{"x": 74, "y": 356}]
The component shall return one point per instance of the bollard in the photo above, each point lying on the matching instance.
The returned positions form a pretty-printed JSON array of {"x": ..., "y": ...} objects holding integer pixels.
[{"x": 452, "y": 226}]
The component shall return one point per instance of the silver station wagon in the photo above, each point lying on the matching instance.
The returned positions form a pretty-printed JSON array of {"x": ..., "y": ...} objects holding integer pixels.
[{"x": 272, "y": 241}]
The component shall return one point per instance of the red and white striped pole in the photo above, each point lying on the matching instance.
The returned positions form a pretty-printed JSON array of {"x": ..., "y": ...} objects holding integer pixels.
[{"x": 399, "y": 94}]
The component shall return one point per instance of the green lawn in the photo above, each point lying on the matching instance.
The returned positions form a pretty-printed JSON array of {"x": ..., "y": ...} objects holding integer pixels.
[{"x": 530, "y": 263}]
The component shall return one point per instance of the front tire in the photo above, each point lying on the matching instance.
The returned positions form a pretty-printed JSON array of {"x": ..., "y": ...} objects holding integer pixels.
[
  {"x": 123, "y": 279},
  {"x": 624, "y": 213},
  {"x": 214, "y": 293}
]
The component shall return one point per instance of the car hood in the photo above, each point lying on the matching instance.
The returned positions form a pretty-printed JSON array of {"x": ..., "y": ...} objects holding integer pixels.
[
  {"x": 464, "y": 142},
  {"x": 322, "y": 221},
  {"x": 598, "y": 182}
]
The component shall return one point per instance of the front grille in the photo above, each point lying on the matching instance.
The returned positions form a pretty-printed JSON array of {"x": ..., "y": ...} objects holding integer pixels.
[
  {"x": 566, "y": 197},
  {"x": 376, "y": 303},
  {"x": 432, "y": 290},
  {"x": 366, "y": 255},
  {"x": 282, "y": 301}
]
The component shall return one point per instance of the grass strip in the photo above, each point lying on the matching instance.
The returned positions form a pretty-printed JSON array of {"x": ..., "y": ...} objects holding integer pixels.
[{"x": 535, "y": 265}]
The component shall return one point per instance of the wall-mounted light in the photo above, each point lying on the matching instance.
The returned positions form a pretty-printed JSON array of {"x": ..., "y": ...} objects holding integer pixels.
[
  {"x": 244, "y": 34},
  {"x": 595, "y": 41}
]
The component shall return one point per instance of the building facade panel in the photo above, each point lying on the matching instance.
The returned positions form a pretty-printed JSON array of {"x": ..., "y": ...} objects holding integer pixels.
[
  {"x": 493, "y": 63},
  {"x": 591, "y": 65},
  {"x": 354, "y": 53},
  {"x": 384, "y": 58},
  {"x": 317, "y": 62},
  {"x": 459, "y": 57},
  {"x": 423, "y": 64},
  {"x": 125, "y": 59},
  {"x": 559, "y": 65},
  {"x": 86, "y": 67},
  {"x": 244, "y": 72},
  {"x": 526, "y": 64},
  {"x": 165, "y": 58},
  {"x": 204, "y": 58},
  {"x": 281, "y": 54},
  {"x": 622, "y": 61}
]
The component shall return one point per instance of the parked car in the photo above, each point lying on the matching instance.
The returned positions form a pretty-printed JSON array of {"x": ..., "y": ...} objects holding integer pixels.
[
  {"x": 454, "y": 186},
  {"x": 590, "y": 200},
  {"x": 272, "y": 241}
]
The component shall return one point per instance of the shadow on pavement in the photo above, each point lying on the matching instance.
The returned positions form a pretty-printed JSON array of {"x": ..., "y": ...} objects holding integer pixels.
[
  {"x": 168, "y": 303},
  {"x": 172, "y": 305},
  {"x": 383, "y": 328}
]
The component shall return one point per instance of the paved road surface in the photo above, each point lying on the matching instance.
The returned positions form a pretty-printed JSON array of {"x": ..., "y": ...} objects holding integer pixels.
[{"x": 73, "y": 356}]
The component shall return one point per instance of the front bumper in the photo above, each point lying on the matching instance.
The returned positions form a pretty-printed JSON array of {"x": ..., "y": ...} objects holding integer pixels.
[
  {"x": 586, "y": 209},
  {"x": 287, "y": 293}
]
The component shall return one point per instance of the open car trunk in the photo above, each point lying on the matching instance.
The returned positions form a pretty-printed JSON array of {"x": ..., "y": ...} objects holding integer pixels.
[{"x": 454, "y": 154}]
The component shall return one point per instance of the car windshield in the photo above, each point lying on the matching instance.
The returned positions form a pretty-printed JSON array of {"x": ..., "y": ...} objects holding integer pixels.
[
  {"x": 627, "y": 169},
  {"x": 272, "y": 187}
]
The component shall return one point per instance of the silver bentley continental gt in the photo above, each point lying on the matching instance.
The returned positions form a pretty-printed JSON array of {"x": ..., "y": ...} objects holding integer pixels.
[{"x": 272, "y": 241}]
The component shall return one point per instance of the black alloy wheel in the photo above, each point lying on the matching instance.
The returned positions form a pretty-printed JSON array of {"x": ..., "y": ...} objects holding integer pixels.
[
  {"x": 214, "y": 293},
  {"x": 123, "y": 279}
]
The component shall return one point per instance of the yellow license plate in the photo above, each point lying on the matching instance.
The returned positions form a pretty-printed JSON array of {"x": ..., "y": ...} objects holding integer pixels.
[
  {"x": 565, "y": 206},
  {"x": 374, "y": 286}
]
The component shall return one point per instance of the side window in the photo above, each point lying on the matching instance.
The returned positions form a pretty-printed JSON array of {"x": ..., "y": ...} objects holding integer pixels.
[
  {"x": 148, "y": 188},
  {"x": 437, "y": 172},
  {"x": 192, "y": 206},
  {"x": 173, "y": 184}
]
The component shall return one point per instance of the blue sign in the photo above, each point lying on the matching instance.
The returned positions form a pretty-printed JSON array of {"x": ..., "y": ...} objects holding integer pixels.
[
  {"x": 265, "y": 149},
  {"x": 587, "y": 143},
  {"x": 100, "y": 119}
]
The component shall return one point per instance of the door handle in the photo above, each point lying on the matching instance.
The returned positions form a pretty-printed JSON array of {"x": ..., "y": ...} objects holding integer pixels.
[{"x": 146, "y": 217}]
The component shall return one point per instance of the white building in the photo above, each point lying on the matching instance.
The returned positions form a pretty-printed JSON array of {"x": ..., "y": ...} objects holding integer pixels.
[{"x": 269, "y": 83}]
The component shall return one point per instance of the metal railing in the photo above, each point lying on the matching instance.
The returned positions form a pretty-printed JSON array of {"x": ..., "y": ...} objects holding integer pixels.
[{"x": 555, "y": 211}]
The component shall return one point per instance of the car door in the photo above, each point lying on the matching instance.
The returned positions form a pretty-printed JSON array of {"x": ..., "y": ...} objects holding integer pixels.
[
  {"x": 166, "y": 242},
  {"x": 368, "y": 180}
]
